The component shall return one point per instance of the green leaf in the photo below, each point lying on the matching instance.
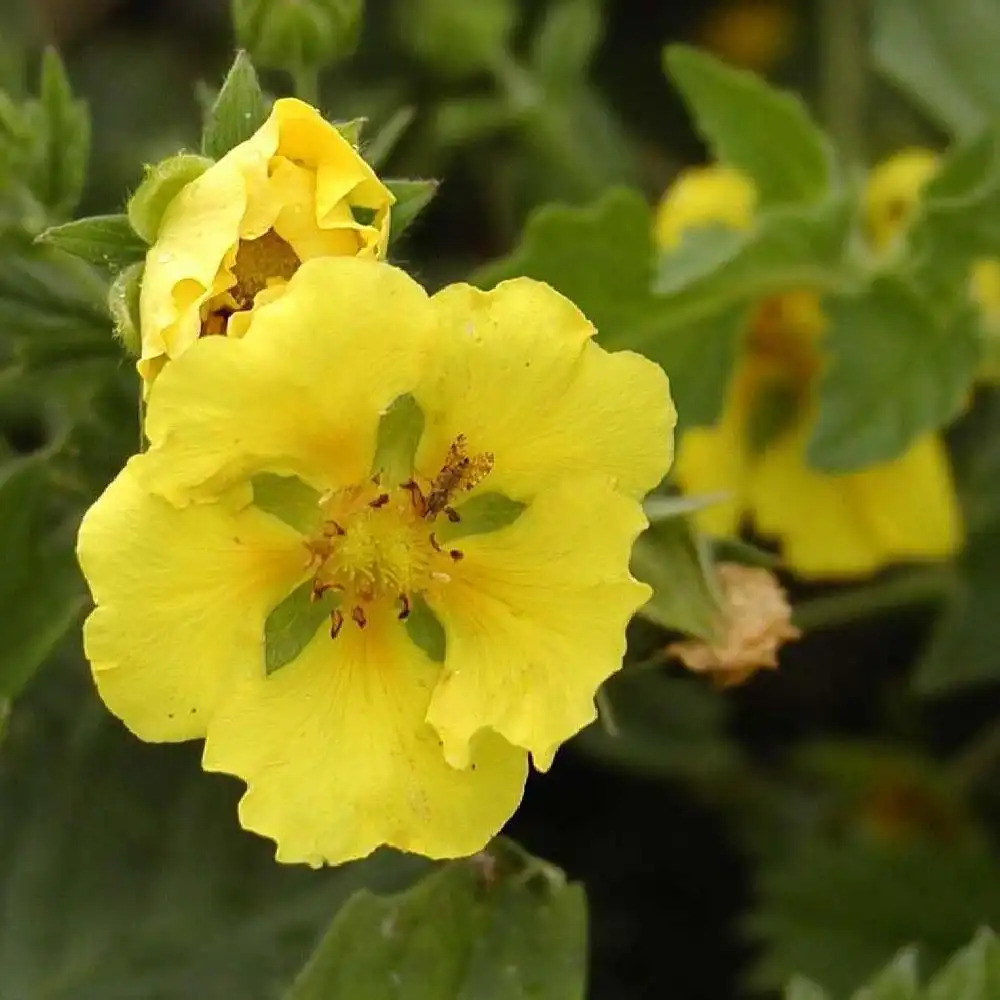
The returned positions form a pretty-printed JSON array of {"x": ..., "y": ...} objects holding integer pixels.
[
  {"x": 941, "y": 55},
  {"x": 803, "y": 989},
  {"x": 749, "y": 125},
  {"x": 957, "y": 220},
  {"x": 671, "y": 558},
  {"x": 289, "y": 499},
  {"x": 565, "y": 43},
  {"x": 838, "y": 911},
  {"x": 500, "y": 925},
  {"x": 381, "y": 146},
  {"x": 129, "y": 872},
  {"x": 238, "y": 111},
  {"x": 664, "y": 727},
  {"x": 659, "y": 508},
  {"x": 484, "y": 513},
  {"x": 107, "y": 240},
  {"x": 897, "y": 981},
  {"x": 601, "y": 257},
  {"x": 425, "y": 629},
  {"x": 973, "y": 974},
  {"x": 898, "y": 369},
  {"x": 40, "y": 586},
  {"x": 66, "y": 124},
  {"x": 412, "y": 197},
  {"x": 399, "y": 433},
  {"x": 290, "y": 627},
  {"x": 123, "y": 304},
  {"x": 162, "y": 183}
]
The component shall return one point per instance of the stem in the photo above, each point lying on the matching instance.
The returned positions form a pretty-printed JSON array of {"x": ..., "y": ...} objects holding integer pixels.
[
  {"x": 931, "y": 585},
  {"x": 843, "y": 74},
  {"x": 978, "y": 761},
  {"x": 305, "y": 83}
]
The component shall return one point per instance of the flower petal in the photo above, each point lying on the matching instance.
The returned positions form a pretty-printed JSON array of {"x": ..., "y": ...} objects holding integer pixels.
[
  {"x": 854, "y": 524},
  {"x": 716, "y": 460},
  {"x": 535, "y": 618},
  {"x": 339, "y": 760},
  {"x": 300, "y": 393},
  {"x": 519, "y": 377},
  {"x": 182, "y": 595}
]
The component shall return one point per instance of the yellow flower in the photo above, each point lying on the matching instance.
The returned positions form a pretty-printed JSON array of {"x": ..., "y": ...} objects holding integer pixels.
[
  {"x": 295, "y": 190},
  {"x": 753, "y": 34},
  {"x": 451, "y": 484},
  {"x": 828, "y": 525}
]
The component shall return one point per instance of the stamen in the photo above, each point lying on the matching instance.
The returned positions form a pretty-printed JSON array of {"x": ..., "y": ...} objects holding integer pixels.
[
  {"x": 380, "y": 501},
  {"x": 359, "y": 616},
  {"x": 435, "y": 544},
  {"x": 336, "y": 623},
  {"x": 404, "y": 612},
  {"x": 456, "y": 554}
]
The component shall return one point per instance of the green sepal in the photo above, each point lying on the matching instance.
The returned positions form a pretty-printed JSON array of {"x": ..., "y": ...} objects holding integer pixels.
[
  {"x": 412, "y": 197},
  {"x": 425, "y": 629},
  {"x": 351, "y": 130},
  {"x": 162, "y": 183},
  {"x": 290, "y": 627},
  {"x": 239, "y": 110},
  {"x": 399, "y": 433},
  {"x": 289, "y": 499},
  {"x": 380, "y": 147},
  {"x": 107, "y": 240},
  {"x": 480, "y": 515},
  {"x": 123, "y": 304}
]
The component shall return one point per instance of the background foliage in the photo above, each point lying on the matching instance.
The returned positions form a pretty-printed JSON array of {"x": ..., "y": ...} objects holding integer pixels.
[{"x": 828, "y": 824}]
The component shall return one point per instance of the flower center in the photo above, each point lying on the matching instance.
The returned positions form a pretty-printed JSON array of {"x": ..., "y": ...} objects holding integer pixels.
[
  {"x": 258, "y": 264},
  {"x": 378, "y": 546}
]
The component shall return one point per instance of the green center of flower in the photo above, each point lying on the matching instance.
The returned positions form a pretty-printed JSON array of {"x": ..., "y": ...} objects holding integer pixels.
[{"x": 378, "y": 547}]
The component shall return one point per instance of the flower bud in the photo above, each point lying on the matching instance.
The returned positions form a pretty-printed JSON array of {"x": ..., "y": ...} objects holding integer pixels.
[{"x": 297, "y": 34}]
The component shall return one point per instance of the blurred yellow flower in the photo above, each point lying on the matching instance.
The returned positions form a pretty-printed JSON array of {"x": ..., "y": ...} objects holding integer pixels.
[
  {"x": 295, "y": 190},
  {"x": 753, "y": 34},
  {"x": 452, "y": 482},
  {"x": 828, "y": 525}
]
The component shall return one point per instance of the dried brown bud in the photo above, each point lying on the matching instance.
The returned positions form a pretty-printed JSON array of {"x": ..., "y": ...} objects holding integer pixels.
[{"x": 756, "y": 623}]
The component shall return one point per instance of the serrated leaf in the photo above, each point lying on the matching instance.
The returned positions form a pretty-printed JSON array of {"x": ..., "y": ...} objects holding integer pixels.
[
  {"x": 425, "y": 629},
  {"x": 750, "y": 125},
  {"x": 500, "y": 925},
  {"x": 483, "y": 513},
  {"x": 910, "y": 891},
  {"x": 239, "y": 110},
  {"x": 671, "y": 558},
  {"x": 972, "y": 974},
  {"x": 162, "y": 183},
  {"x": 291, "y": 626},
  {"x": 412, "y": 197},
  {"x": 565, "y": 43},
  {"x": 399, "y": 431},
  {"x": 66, "y": 122},
  {"x": 941, "y": 55},
  {"x": 129, "y": 872},
  {"x": 107, "y": 240},
  {"x": 289, "y": 499},
  {"x": 898, "y": 370}
]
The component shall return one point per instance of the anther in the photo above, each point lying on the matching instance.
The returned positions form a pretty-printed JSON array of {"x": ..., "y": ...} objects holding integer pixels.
[
  {"x": 331, "y": 528},
  {"x": 336, "y": 623},
  {"x": 380, "y": 501},
  {"x": 452, "y": 515},
  {"x": 359, "y": 616},
  {"x": 456, "y": 554},
  {"x": 404, "y": 611},
  {"x": 435, "y": 544}
]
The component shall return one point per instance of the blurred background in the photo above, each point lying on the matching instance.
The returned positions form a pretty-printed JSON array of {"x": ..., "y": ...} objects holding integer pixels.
[{"x": 803, "y": 822}]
